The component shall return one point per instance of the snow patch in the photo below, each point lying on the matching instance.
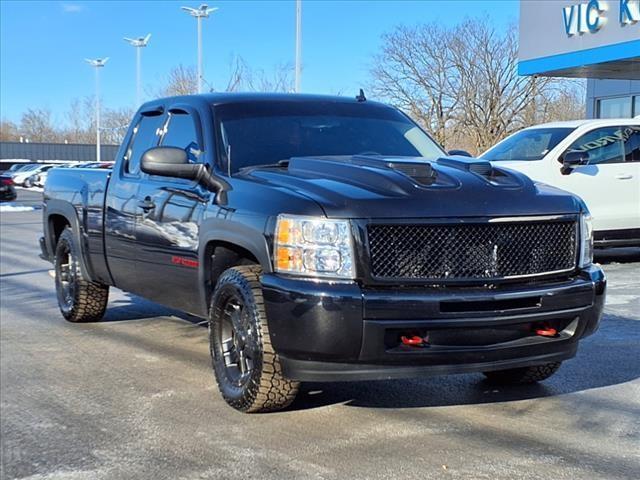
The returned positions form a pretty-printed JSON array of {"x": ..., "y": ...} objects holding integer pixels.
[{"x": 17, "y": 208}]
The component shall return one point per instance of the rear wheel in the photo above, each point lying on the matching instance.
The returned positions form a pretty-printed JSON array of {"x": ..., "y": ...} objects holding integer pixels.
[
  {"x": 247, "y": 369},
  {"x": 520, "y": 376},
  {"x": 79, "y": 299}
]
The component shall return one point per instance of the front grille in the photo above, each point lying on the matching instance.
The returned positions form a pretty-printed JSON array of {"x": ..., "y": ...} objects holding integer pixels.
[{"x": 472, "y": 251}]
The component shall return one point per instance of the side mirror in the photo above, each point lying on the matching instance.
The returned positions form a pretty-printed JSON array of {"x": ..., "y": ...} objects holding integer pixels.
[
  {"x": 173, "y": 162},
  {"x": 574, "y": 159},
  {"x": 462, "y": 153}
]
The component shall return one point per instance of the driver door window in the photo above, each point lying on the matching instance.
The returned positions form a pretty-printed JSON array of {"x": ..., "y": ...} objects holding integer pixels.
[
  {"x": 181, "y": 133},
  {"x": 604, "y": 145},
  {"x": 609, "y": 182},
  {"x": 145, "y": 136}
]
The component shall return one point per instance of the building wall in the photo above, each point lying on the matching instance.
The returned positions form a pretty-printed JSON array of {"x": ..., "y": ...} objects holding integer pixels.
[
  {"x": 55, "y": 151},
  {"x": 543, "y": 31},
  {"x": 580, "y": 38},
  {"x": 622, "y": 92}
]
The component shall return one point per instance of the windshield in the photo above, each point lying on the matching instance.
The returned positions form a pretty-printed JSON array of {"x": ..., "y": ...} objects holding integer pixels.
[
  {"x": 263, "y": 133},
  {"x": 530, "y": 144}
]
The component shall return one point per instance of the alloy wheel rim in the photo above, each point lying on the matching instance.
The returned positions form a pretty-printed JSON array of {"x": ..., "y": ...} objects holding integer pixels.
[
  {"x": 238, "y": 341},
  {"x": 66, "y": 277}
]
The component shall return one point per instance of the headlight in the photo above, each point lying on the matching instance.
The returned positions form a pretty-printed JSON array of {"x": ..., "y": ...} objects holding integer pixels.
[
  {"x": 315, "y": 247},
  {"x": 586, "y": 240}
]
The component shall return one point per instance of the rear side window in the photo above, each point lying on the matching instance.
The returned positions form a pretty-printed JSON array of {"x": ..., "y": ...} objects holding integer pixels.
[
  {"x": 181, "y": 133},
  {"x": 609, "y": 145},
  {"x": 145, "y": 136}
]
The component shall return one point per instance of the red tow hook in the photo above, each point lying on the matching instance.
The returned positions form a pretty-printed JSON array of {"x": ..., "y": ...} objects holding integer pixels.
[
  {"x": 546, "y": 331},
  {"x": 414, "y": 341}
]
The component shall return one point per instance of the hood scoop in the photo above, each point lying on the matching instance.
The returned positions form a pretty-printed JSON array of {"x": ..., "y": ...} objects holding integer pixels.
[
  {"x": 375, "y": 169},
  {"x": 421, "y": 172},
  {"x": 467, "y": 164},
  {"x": 482, "y": 168}
]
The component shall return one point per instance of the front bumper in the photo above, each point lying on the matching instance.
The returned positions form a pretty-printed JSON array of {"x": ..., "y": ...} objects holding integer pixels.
[
  {"x": 8, "y": 194},
  {"x": 327, "y": 331}
]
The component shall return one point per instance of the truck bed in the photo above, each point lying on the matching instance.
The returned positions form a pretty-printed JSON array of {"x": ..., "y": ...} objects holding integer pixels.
[{"x": 85, "y": 190}]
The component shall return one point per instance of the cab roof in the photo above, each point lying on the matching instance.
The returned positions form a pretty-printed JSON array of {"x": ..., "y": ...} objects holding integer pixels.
[
  {"x": 600, "y": 122},
  {"x": 220, "y": 98}
]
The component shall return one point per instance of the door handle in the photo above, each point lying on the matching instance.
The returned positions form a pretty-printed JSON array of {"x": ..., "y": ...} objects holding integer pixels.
[
  {"x": 146, "y": 204},
  {"x": 624, "y": 176}
]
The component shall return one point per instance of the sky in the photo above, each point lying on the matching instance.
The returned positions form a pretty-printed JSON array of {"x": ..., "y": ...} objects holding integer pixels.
[{"x": 43, "y": 44}]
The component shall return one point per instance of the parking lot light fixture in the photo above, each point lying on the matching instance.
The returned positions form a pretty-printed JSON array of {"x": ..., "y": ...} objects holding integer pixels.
[
  {"x": 199, "y": 13},
  {"x": 139, "y": 43},
  {"x": 97, "y": 63}
]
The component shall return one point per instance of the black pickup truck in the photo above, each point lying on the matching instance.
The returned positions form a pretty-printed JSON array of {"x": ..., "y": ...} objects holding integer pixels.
[{"x": 325, "y": 239}]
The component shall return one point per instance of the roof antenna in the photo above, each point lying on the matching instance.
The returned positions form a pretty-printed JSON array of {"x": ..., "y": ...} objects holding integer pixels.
[{"x": 360, "y": 97}]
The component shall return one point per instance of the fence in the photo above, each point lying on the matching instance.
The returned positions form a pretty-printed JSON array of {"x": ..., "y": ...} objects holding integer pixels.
[{"x": 55, "y": 151}]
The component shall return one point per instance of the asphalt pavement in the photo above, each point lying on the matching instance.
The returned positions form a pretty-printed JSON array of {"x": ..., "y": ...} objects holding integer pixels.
[{"x": 134, "y": 397}]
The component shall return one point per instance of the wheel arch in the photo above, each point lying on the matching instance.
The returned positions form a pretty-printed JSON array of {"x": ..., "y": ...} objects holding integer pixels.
[
  {"x": 60, "y": 215},
  {"x": 225, "y": 248}
]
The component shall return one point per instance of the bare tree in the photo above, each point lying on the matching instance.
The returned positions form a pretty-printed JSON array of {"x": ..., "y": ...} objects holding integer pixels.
[
  {"x": 495, "y": 97},
  {"x": 415, "y": 72},
  {"x": 36, "y": 126},
  {"x": 81, "y": 121},
  {"x": 279, "y": 79},
  {"x": 462, "y": 84},
  {"x": 116, "y": 123},
  {"x": 8, "y": 131},
  {"x": 566, "y": 100},
  {"x": 181, "y": 80}
]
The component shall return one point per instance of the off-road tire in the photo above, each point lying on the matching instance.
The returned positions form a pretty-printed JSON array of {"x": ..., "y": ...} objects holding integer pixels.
[
  {"x": 265, "y": 389},
  {"x": 83, "y": 301},
  {"x": 525, "y": 375}
]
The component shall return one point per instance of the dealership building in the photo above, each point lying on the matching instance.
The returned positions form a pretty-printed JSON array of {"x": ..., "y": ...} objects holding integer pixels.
[{"x": 598, "y": 40}]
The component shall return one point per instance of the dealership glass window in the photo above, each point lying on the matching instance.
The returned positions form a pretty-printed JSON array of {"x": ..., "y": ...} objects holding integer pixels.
[
  {"x": 619, "y": 107},
  {"x": 636, "y": 106}
]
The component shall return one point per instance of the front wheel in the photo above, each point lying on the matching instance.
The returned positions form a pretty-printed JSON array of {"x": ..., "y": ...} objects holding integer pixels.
[
  {"x": 521, "y": 376},
  {"x": 247, "y": 368},
  {"x": 79, "y": 299}
]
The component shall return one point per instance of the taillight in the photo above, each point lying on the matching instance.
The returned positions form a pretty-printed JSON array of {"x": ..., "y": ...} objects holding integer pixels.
[{"x": 7, "y": 181}]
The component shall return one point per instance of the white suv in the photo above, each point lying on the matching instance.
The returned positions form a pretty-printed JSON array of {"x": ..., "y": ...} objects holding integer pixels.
[{"x": 598, "y": 160}]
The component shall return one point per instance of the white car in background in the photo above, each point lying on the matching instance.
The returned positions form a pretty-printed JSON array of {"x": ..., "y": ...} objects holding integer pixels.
[
  {"x": 26, "y": 177},
  {"x": 598, "y": 160}
]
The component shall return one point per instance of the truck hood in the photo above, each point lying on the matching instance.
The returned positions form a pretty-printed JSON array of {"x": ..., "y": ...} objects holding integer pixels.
[
  {"x": 519, "y": 165},
  {"x": 413, "y": 187}
]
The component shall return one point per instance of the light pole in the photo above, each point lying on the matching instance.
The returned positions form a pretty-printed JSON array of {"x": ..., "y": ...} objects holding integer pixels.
[
  {"x": 201, "y": 12},
  {"x": 98, "y": 63},
  {"x": 298, "y": 74},
  {"x": 139, "y": 43}
]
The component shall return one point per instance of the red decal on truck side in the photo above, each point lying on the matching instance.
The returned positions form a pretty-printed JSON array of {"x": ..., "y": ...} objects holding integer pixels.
[{"x": 185, "y": 262}]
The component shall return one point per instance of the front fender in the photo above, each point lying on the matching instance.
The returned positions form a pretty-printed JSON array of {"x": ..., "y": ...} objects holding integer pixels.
[{"x": 246, "y": 232}]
